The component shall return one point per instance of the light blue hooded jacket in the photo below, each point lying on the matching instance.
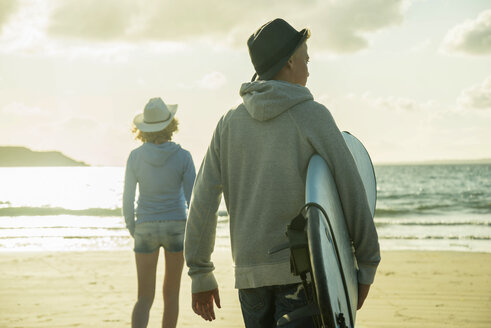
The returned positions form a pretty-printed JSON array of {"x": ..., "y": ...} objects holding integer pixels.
[{"x": 165, "y": 176}]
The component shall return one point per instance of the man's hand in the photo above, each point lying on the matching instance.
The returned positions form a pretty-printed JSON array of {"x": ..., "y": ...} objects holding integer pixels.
[
  {"x": 362, "y": 294},
  {"x": 202, "y": 303}
]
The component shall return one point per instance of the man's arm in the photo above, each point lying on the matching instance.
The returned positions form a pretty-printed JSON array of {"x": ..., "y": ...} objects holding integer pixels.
[
  {"x": 323, "y": 134},
  {"x": 362, "y": 294},
  {"x": 201, "y": 230}
]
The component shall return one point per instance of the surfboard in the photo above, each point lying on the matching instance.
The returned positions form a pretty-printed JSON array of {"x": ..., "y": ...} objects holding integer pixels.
[{"x": 332, "y": 260}]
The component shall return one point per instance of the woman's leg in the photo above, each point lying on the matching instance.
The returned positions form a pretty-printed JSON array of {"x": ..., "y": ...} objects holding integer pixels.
[
  {"x": 146, "y": 267},
  {"x": 174, "y": 262}
]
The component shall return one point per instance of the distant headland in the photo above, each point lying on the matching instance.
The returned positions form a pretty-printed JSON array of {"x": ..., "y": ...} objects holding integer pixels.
[{"x": 21, "y": 156}]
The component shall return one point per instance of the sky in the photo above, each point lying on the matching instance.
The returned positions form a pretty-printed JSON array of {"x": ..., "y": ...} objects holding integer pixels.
[{"x": 410, "y": 78}]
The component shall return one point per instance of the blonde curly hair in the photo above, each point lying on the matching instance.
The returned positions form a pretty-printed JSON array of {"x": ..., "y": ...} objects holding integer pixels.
[{"x": 159, "y": 136}]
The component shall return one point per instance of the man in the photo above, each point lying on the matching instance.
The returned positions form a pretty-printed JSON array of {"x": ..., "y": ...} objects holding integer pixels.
[{"x": 258, "y": 158}]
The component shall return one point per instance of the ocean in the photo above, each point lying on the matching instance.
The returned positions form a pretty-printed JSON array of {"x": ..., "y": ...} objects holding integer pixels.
[{"x": 419, "y": 207}]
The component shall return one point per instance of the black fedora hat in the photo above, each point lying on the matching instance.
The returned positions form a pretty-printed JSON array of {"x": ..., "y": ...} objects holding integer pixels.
[{"x": 272, "y": 45}]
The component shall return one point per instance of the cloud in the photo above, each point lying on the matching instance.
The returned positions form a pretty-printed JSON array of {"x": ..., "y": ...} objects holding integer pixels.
[
  {"x": 340, "y": 26},
  {"x": 343, "y": 26},
  {"x": 79, "y": 124},
  {"x": 7, "y": 8},
  {"x": 471, "y": 37},
  {"x": 25, "y": 32},
  {"x": 20, "y": 109},
  {"x": 393, "y": 103},
  {"x": 396, "y": 104},
  {"x": 212, "y": 81},
  {"x": 73, "y": 29},
  {"x": 477, "y": 96},
  {"x": 146, "y": 20},
  {"x": 115, "y": 30},
  {"x": 91, "y": 19},
  {"x": 421, "y": 47}
]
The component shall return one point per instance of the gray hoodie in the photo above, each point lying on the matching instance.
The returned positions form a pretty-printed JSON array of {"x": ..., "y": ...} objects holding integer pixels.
[
  {"x": 165, "y": 175},
  {"x": 258, "y": 158}
]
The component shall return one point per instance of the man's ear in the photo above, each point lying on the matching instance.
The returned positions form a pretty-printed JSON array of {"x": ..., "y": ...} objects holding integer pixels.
[{"x": 289, "y": 63}]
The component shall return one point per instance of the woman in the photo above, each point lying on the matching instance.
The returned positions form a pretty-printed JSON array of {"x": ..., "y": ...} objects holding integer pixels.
[{"x": 165, "y": 175}]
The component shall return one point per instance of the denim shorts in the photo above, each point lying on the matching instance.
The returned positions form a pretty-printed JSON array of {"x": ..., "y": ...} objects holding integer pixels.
[{"x": 150, "y": 236}]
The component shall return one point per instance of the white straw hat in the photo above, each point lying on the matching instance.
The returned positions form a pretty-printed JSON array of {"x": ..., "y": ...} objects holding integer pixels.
[{"x": 156, "y": 116}]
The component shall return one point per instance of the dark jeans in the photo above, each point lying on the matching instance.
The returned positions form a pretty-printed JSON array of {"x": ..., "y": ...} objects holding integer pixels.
[{"x": 263, "y": 306}]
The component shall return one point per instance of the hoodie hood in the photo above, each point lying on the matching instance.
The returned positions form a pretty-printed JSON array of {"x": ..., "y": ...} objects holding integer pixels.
[
  {"x": 157, "y": 155},
  {"x": 265, "y": 100}
]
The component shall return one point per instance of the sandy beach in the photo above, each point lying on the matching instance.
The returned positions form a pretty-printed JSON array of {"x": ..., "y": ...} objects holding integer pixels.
[{"x": 97, "y": 289}]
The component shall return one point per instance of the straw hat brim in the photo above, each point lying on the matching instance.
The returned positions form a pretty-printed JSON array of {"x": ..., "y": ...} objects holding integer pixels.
[{"x": 154, "y": 127}]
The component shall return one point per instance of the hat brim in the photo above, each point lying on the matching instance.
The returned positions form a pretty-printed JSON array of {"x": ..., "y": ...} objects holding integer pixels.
[
  {"x": 276, "y": 68},
  {"x": 154, "y": 127}
]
